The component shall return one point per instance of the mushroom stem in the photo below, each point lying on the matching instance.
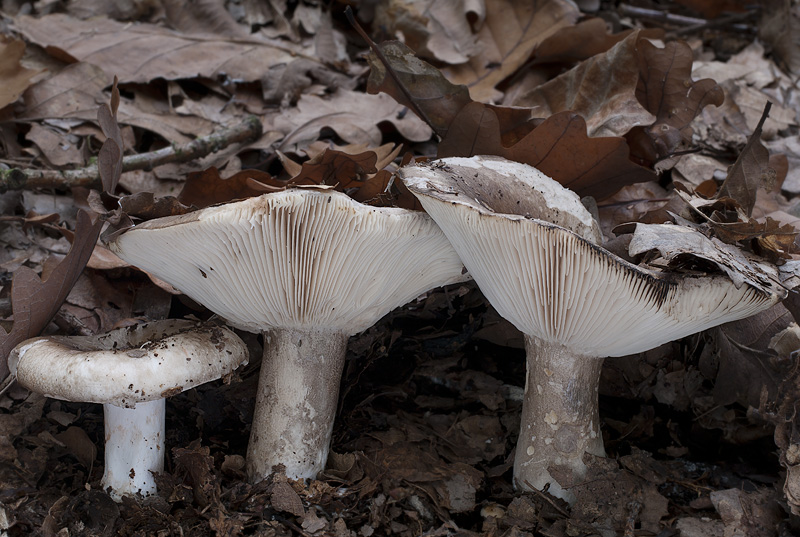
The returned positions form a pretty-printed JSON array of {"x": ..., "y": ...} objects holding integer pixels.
[
  {"x": 134, "y": 448},
  {"x": 296, "y": 403},
  {"x": 560, "y": 420}
]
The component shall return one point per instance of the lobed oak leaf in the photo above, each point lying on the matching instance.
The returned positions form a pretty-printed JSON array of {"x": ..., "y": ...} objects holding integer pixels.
[
  {"x": 437, "y": 30},
  {"x": 208, "y": 188},
  {"x": 602, "y": 89},
  {"x": 667, "y": 90},
  {"x": 559, "y": 147},
  {"x": 334, "y": 168},
  {"x": 354, "y": 116}
]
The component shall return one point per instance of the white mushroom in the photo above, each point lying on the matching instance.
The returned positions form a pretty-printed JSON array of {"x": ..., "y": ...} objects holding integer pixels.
[
  {"x": 308, "y": 268},
  {"x": 130, "y": 371},
  {"x": 532, "y": 249}
]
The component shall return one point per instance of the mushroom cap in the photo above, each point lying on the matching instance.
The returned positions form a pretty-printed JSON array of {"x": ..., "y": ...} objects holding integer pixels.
[
  {"x": 129, "y": 365},
  {"x": 301, "y": 258},
  {"x": 553, "y": 283}
]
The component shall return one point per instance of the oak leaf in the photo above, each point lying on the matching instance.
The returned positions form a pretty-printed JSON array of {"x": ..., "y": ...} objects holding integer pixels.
[
  {"x": 559, "y": 147},
  {"x": 509, "y": 34},
  {"x": 602, "y": 89},
  {"x": 667, "y": 90}
]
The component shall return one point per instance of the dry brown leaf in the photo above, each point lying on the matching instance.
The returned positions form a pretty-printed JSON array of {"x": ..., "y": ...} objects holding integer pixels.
[
  {"x": 75, "y": 92},
  {"x": 418, "y": 85},
  {"x": 507, "y": 37},
  {"x": 667, "y": 90},
  {"x": 15, "y": 77},
  {"x": 35, "y": 301},
  {"x": 208, "y": 188},
  {"x": 750, "y": 172},
  {"x": 58, "y": 148},
  {"x": 151, "y": 51},
  {"x": 354, "y": 116},
  {"x": 559, "y": 147},
  {"x": 582, "y": 41},
  {"x": 202, "y": 17},
  {"x": 434, "y": 30},
  {"x": 601, "y": 89}
]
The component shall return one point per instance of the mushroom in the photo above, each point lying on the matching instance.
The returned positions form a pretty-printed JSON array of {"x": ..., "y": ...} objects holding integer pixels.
[
  {"x": 308, "y": 268},
  {"x": 532, "y": 248},
  {"x": 130, "y": 371}
]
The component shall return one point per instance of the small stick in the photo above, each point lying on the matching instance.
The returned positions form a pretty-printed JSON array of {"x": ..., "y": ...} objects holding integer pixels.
[
  {"x": 29, "y": 178},
  {"x": 681, "y": 20}
]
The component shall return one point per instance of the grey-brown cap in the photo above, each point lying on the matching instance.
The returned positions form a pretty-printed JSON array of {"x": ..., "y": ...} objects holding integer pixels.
[
  {"x": 129, "y": 365},
  {"x": 301, "y": 258},
  {"x": 550, "y": 279}
]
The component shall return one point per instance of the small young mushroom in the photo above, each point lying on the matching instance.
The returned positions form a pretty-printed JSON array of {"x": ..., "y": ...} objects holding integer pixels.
[
  {"x": 532, "y": 248},
  {"x": 130, "y": 371},
  {"x": 308, "y": 268}
]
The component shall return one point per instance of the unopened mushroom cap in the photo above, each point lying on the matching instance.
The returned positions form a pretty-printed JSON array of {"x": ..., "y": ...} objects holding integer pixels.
[
  {"x": 301, "y": 258},
  {"x": 129, "y": 365},
  {"x": 554, "y": 284}
]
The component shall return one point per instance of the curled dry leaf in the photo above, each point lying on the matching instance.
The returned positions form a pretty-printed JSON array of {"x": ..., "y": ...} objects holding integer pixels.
[
  {"x": 728, "y": 215},
  {"x": 678, "y": 244}
]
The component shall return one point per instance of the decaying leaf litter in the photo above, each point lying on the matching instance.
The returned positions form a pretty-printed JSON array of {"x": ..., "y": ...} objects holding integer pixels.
[{"x": 700, "y": 432}]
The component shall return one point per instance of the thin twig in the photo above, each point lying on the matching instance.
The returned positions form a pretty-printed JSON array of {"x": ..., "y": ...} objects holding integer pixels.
[
  {"x": 28, "y": 178},
  {"x": 693, "y": 23}
]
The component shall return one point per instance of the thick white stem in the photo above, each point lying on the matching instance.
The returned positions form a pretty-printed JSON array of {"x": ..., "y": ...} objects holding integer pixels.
[
  {"x": 560, "y": 420},
  {"x": 296, "y": 403},
  {"x": 134, "y": 448}
]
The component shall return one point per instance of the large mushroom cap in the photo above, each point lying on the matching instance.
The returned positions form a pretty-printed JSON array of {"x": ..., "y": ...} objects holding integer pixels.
[
  {"x": 296, "y": 259},
  {"x": 553, "y": 283},
  {"x": 129, "y": 365}
]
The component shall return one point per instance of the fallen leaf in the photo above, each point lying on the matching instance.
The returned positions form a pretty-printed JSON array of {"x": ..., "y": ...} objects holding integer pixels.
[
  {"x": 153, "y": 51},
  {"x": 436, "y": 30},
  {"x": 508, "y": 36},
  {"x": 750, "y": 172},
  {"x": 208, "y": 188},
  {"x": 667, "y": 90},
  {"x": 584, "y": 40},
  {"x": 36, "y": 301},
  {"x": 602, "y": 89},
  {"x": 416, "y": 84},
  {"x": 284, "y": 498},
  {"x": 15, "y": 77},
  {"x": 559, "y": 147},
  {"x": 354, "y": 116}
]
